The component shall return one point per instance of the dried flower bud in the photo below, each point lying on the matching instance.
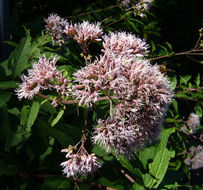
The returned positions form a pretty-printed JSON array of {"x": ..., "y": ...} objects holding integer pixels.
[
  {"x": 193, "y": 123},
  {"x": 195, "y": 159}
]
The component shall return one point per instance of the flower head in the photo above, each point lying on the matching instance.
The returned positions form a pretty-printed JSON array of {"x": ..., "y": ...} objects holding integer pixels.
[
  {"x": 119, "y": 135},
  {"x": 141, "y": 88},
  {"x": 124, "y": 44},
  {"x": 84, "y": 32},
  {"x": 55, "y": 26},
  {"x": 80, "y": 163},
  {"x": 42, "y": 76}
]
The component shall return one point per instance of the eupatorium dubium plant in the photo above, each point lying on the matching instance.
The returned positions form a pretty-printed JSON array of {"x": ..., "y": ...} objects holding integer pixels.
[{"x": 138, "y": 92}]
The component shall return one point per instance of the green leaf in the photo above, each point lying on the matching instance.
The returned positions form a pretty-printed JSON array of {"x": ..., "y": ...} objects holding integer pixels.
[
  {"x": 55, "y": 183},
  {"x": 170, "y": 120},
  {"x": 182, "y": 95},
  {"x": 169, "y": 45},
  {"x": 18, "y": 137},
  {"x": 109, "y": 183},
  {"x": 24, "y": 115},
  {"x": 137, "y": 186},
  {"x": 33, "y": 115},
  {"x": 14, "y": 111},
  {"x": 172, "y": 186},
  {"x": 147, "y": 154},
  {"x": 133, "y": 26},
  {"x": 58, "y": 117},
  {"x": 8, "y": 169},
  {"x": 197, "y": 80},
  {"x": 164, "y": 49},
  {"x": 99, "y": 151},
  {"x": 158, "y": 167},
  {"x": 8, "y": 84},
  {"x": 175, "y": 105},
  {"x": 11, "y": 43},
  {"x": 4, "y": 97},
  {"x": 62, "y": 134},
  {"x": 198, "y": 110},
  {"x": 48, "y": 151},
  {"x": 102, "y": 153},
  {"x": 70, "y": 69},
  {"x": 126, "y": 164},
  {"x": 173, "y": 82},
  {"x": 6, "y": 128},
  {"x": 185, "y": 79},
  {"x": 153, "y": 46},
  {"x": 19, "y": 57}
]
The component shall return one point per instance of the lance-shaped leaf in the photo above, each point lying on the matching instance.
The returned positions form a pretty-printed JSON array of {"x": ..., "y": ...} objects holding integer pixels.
[
  {"x": 158, "y": 167},
  {"x": 58, "y": 117},
  {"x": 33, "y": 115}
]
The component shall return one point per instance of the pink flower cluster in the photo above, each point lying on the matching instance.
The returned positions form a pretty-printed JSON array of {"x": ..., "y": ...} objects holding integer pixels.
[
  {"x": 43, "y": 76},
  {"x": 84, "y": 32},
  {"x": 55, "y": 26},
  {"x": 142, "y": 90},
  {"x": 140, "y": 6},
  {"x": 144, "y": 94},
  {"x": 121, "y": 71},
  {"x": 195, "y": 158},
  {"x": 80, "y": 163},
  {"x": 119, "y": 136},
  {"x": 124, "y": 44}
]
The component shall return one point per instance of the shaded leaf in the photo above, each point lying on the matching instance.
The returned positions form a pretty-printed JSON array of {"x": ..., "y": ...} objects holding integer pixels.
[
  {"x": 185, "y": 79},
  {"x": 8, "y": 84},
  {"x": 197, "y": 80},
  {"x": 24, "y": 115},
  {"x": 4, "y": 97},
  {"x": 58, "y": 117},
  {"x": 33, "y": 115}
]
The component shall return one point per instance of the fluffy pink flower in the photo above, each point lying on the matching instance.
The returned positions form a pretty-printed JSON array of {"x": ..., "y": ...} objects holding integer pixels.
[
  {"x": 124, "y": 44},
  {"x": 80, "y": 163},
  {"x": 136, "y": 83},
  {"x": 27, "y": 89},
  {"x": 55, "y": 26},
  {"x": 42, "y": 76},
  {"x": 120, "y": 136},
  {"x": 84, "y": 33},
  {"x": 143, "y": 92}
]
